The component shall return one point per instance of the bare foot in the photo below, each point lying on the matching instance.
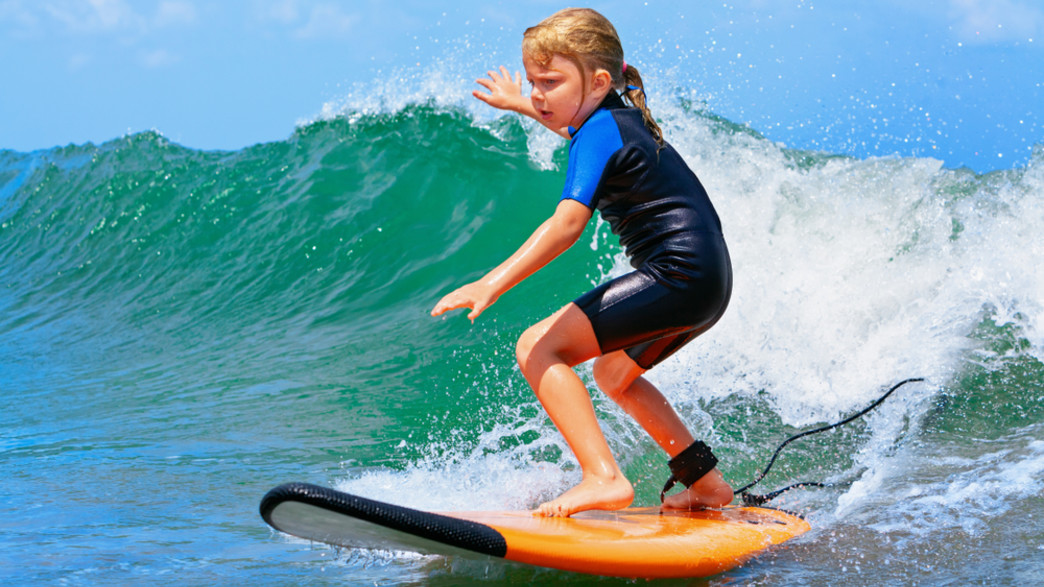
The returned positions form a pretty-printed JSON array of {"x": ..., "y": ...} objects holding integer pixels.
[
  {"x": 593, "y": 493},
  {"x": 711, "y": 491}
]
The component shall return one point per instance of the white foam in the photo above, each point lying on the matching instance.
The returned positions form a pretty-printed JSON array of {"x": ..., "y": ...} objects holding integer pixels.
[
  {"x": 451, "y": 478},
  {"x": 849, "y": 276},
  {"x": 962, "y": 492}
]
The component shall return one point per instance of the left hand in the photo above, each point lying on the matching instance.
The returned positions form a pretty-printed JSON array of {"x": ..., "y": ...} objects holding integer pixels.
[{"x": 475, "y": 296}]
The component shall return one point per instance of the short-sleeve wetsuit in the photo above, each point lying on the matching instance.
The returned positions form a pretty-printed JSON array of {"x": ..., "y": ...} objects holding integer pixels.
[{"x": 668, "y": 228}]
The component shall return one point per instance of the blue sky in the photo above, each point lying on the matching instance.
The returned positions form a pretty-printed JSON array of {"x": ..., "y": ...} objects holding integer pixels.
[{"x": 959, "y": 80}]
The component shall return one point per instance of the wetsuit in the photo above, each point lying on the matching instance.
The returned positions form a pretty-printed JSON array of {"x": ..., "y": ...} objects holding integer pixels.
[{"x": 668, "y": 228}]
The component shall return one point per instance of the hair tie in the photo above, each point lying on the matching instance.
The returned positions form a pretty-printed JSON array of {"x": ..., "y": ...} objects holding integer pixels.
[{"x": 625, "y": 67}]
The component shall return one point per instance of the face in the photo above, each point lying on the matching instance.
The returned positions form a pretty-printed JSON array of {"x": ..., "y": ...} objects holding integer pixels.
[{"x": 559, "y": 94}]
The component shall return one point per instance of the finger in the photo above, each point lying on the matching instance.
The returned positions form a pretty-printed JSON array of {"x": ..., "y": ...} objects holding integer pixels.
[
  {"x": 493, "y": 75},
  {"x": 504, "y": 72},
  {"x": 485, "y": 83},
  {"x": 442, "y": 307},
  {"x": 481, "y": 96},
  {"x": 454, "y": 301},
  {"x": 440, "y": 310}
]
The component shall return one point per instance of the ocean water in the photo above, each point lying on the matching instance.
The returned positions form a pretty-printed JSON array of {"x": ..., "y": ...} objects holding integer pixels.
[{"x": 180, "y": 331}]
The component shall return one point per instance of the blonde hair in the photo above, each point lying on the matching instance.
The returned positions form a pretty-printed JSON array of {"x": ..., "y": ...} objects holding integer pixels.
[{"x": 589, "y": 40}]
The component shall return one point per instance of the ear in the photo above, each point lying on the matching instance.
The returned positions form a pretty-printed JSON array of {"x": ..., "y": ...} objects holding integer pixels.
[{"x": 602, "y": 81}]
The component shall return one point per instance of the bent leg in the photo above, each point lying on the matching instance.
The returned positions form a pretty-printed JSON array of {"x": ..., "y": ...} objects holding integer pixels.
[
  {"x": 620, "y": 378},
  {"x": 546, "y": 353}
]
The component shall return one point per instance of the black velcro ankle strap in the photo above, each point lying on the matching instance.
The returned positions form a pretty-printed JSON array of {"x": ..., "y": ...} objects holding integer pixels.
[{"x": 690, "y": 466}]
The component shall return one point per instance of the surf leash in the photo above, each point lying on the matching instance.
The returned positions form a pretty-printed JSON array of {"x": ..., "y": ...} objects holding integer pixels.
[{"x": 751, "y": 499}]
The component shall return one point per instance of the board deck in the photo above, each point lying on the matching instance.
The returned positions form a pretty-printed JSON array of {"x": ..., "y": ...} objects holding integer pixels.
[{"x": 634, "y": 542}]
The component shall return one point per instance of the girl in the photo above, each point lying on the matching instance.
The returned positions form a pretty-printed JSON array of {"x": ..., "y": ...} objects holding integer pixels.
[{"x": 620, "y": 165}]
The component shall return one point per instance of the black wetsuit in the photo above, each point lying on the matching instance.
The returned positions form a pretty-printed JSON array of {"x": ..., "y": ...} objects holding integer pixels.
[{"x": 668, "y": 228}]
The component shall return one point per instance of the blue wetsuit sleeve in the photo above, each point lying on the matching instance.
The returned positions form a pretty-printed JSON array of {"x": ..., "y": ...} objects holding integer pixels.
[{"x": 589, "y": 152}]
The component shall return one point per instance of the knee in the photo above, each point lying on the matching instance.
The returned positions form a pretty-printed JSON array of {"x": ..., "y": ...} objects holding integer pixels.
[
  {"x": 525, "y": 346},
  {"x": 558, "y": 339},
  {"x": 535, "y": 357}
]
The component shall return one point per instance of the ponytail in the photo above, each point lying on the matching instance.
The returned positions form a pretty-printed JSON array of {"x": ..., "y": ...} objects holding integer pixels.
[{"x": 635, "y": 94}]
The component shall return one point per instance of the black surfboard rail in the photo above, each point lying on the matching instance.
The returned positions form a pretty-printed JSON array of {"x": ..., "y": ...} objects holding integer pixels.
[{"x": 464, "y": 534}]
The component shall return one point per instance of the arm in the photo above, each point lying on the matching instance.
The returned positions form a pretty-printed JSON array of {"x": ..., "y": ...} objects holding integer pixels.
[
  {"x": 549, "y": 240},
  {"x": 505, "y": 93}
]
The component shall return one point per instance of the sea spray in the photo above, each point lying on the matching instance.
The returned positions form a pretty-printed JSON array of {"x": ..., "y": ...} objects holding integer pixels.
[{"x": 202, "y": 326}]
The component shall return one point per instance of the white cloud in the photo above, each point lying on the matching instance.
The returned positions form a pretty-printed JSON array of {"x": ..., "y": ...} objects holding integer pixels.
[
  {"x": 282, "y": 11},
  {"x": 326, "y": 20},
  {"x": 307, "y": 19},
  {"x": 95, "y": 16},
  {"x": 15, "y": 12},
  {"x": 157, "y": 58},
  {"x": 107, "y": 16},
  {"x": 172, "y": 13},
  {"x": 989, "y": 21},
  {"x": 79, "y": 61}
]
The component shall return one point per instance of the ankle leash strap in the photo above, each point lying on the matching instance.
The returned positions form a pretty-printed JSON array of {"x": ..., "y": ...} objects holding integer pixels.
[{"x": 690, "y": 466}]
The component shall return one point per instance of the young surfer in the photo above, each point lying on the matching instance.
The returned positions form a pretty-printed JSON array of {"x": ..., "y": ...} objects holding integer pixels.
[{"x": 619, "y": 165}]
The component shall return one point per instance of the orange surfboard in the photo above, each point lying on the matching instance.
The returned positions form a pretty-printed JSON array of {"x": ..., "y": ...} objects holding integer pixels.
[{"x": 634, "y": 542}]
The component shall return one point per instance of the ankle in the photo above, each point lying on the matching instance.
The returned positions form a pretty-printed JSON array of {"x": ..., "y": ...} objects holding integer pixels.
[{"x": 614, "y": 475}]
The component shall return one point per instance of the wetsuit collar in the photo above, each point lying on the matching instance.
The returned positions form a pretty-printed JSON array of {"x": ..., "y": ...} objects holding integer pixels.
[{"x": 611, "y": 101}]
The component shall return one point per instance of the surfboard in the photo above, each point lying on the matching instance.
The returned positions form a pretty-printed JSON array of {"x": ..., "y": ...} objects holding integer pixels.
[{"x": 633, "y": 542}]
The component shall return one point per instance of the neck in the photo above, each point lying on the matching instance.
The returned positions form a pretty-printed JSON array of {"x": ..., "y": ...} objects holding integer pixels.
[{"x": 610, "y": 100}]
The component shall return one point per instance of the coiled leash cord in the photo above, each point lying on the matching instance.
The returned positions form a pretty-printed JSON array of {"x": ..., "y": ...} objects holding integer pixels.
[{"x": 752, "y": 499}]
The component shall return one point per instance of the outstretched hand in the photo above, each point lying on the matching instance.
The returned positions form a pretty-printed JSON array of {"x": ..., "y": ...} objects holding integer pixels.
[
  {"x": 475, "y": 296},
  {"x": 505, "y": 92}
]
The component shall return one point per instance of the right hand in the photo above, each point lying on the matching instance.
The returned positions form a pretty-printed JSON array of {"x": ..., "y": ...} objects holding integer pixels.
[{"x": 505, "y": 92}]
